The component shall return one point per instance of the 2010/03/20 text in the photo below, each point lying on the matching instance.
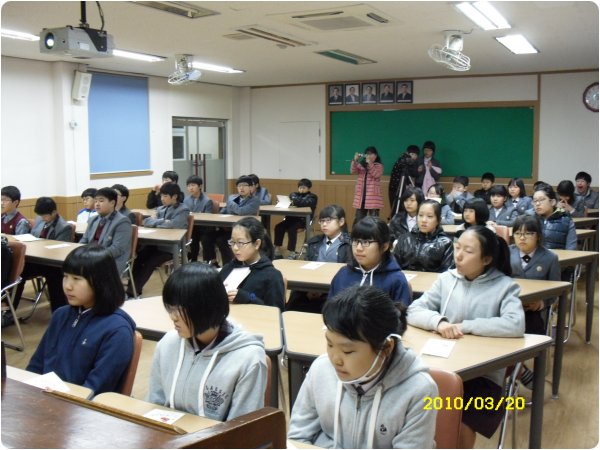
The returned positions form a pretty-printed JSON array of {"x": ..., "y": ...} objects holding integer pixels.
[{"x": 477, "y": 403}]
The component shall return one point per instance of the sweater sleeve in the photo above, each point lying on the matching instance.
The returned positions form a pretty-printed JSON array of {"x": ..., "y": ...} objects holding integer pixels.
[
  {"x": 447, "y": 215},
  {"x": 424, "y": 312},
  {"x": 273, "y": 293},
  {"x": 510, "y": 323},
  {"x": 305, "y": 425},
  {"x": 571, "y": 242},
  {"x": 23, "y": 227},
  {"x": 375, "y": 170},
  {"x": 249, "y": 393},
  {"x": 156, "y": 392},
  {"x": 113, "y": 358}
]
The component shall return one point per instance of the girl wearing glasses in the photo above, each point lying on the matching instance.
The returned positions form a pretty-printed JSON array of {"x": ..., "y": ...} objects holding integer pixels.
[
  {"x": 373, "y": 264},
  {"x": 557, "y": 225},
  {"x": 429, "y": 249},
  {"x": 207, "y": 365},
  {"x": 253, "y": 249},
  {"x": 477, "y": 297},
  {"x": 332, "y": 246},
  {"x": 530, "y": 259},
  {"x": 368, "y": 391}
]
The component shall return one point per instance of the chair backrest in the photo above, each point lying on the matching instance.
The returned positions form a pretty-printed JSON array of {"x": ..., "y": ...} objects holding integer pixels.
[
  {"x": 504, "y": 232},
  {"x": 18, "y": 260},
  {"x": 139, "y": 218},
  {"x": 73, "y": 231},
  {"x": 216, "y": 198},
  {"x": 263, "y": 428},
  {"x": 134, "y": 241},
  {"x": 127, "y": 385},
  {"x": 448, "y": 421},
  {"x": 190, "y": 228}
]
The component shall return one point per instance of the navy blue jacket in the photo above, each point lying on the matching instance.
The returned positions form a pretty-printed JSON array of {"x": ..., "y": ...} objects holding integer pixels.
[
  {"x": 93, "y": 351},
  {"x": 387, "y": 277},
  {"x": 559, "y": 231}
]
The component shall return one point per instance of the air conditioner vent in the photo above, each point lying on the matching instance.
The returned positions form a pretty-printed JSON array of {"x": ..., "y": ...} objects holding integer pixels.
[
  {"x": 238, "y": 36},
  {"x": 179, "y": 8},
  {"x": 274, "y": 36},
  {"x": 337, "y": 23}
]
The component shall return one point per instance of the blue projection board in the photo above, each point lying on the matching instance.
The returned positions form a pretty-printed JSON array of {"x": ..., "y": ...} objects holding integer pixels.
[{"x": 119, "y": 130}]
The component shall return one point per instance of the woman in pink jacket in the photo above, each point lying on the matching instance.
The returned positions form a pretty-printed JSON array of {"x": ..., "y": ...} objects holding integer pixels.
[{"x": 368, "y": 199}]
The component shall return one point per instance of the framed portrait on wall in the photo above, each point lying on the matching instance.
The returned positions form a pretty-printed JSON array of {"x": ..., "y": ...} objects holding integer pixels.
[
  {"x": 368, "y": 93},
  {"x": 335, "y": 94},
  {"x": 404, "y": 91},
  {"x": 386, "y": 92},
  {"x": 351, "y": 92}
]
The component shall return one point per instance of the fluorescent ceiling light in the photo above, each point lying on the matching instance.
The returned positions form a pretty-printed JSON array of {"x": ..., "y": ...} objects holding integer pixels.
[
  {"x": 484, "y": 15},
  {"x": 137, "y": 56},
  {"x": 19, "y": 35},
  {"x": 215, "y": 68},
  {"x": 517, "y": 43}
]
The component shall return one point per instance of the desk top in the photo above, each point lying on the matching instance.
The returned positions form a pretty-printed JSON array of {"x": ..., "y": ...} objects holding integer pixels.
[
  {"x": 586, "y": 221},
  {"x": 291, "y": 211},
  {"x": 14, "y": 373},
  {"x": 568, "y": 258},
  {"x": 226, "y": 220},
  {"x": 145, "y": 212},
  {"x": 472, "y": 356},
  {"x": 80, "y": 426},
  {"x": 299, "y": 278},
  {"x": 148, "y": 233},
  {"x": 48, "y": 251},
  {"x": 153, "y": 321}
]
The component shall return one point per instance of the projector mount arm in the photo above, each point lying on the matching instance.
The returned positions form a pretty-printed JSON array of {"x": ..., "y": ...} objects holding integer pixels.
[{"x": 83, "y": 21}]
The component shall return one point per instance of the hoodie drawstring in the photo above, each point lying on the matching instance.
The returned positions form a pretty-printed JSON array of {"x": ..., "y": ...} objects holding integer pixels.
[
  {"x": 213, "y": 359},
  {"x": 372, "y": 417},
  {"x": 367, "y": 273},
  {"x": 445, "y": 304}
]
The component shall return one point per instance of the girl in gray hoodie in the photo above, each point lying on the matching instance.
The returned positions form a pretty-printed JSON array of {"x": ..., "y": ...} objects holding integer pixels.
[
  {"x": 207, "y": 366},
  {"x": 368, "y": 391},
  {"x": 478, "y": 297}
]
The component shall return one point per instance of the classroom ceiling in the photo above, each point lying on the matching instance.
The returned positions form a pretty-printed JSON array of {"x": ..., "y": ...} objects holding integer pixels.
[{"x": 566, "y": 33}]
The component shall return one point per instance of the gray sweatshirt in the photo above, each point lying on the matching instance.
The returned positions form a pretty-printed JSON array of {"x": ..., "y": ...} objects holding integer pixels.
[
  {"x": 233, "y": 373},
  {"x": 487, "y": 306},
  {"x": 399, "y": 419}
]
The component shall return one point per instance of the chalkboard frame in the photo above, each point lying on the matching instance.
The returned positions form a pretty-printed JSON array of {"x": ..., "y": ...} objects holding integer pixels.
[{"x": 533, "y": 104}]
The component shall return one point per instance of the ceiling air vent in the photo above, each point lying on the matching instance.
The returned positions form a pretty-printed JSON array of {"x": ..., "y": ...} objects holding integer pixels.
[
  {"x": 180, "y": 9},
  {"x": 347, "y": 57},
  {"x": 344, "y": 18},
  {"x": 274, "y": 36},
  {"x": 238, "y": 36}
]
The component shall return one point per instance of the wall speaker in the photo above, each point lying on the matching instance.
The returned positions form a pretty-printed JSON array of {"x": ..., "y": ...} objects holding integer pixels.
[{"x": 81, "y": 85}]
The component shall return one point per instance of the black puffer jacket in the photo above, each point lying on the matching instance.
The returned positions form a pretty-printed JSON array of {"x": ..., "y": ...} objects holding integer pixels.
[
  {"x": 431, "y": 252},
  {"x": 398, "y": 225}
]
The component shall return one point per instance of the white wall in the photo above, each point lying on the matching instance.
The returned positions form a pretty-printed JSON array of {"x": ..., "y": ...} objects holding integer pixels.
[{"x": 54, "y": 159}]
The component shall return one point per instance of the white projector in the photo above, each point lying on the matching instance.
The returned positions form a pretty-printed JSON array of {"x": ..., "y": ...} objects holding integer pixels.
[{"x": 81, "y": 43}]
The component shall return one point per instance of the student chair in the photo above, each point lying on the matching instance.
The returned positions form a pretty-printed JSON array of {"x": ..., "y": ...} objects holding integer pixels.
[
  {"x": 127, "y": 273},
  {"x": 448, "y": 421},
  {"x": 167, "y": 266},
  {"x": 8, "y": 292},
  {"x": 504, "y": 232},
  {"x": 127, "y": 385},
  {"x": 511, "y": 390},
  {"x": 139, "y": 218},
  {"x": 216, "y": 198}
]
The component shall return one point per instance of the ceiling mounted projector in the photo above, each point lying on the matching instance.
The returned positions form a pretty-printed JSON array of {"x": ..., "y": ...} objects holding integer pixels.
[
  {"x": 77, "y": 42},
  {"x": 184, "y": 71}
]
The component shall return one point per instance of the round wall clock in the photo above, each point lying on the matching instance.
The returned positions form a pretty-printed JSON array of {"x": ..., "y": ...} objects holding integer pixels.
[{"x": 590, "y": 97}]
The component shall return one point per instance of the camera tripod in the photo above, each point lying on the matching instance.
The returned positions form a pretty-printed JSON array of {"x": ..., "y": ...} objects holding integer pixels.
[{"x": 400, "y": 191}]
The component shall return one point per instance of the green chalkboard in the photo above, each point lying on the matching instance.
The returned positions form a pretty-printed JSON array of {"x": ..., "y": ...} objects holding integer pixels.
[{"x": 469, "y": 141}]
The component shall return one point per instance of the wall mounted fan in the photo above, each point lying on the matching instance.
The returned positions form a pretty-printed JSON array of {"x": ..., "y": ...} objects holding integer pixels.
[
  {"x": 450, "y": 54},
  {"x": 184, "y": 71}
]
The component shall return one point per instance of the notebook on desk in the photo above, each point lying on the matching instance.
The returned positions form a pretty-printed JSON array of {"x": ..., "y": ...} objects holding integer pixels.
[{"x": 283, "y": 201}]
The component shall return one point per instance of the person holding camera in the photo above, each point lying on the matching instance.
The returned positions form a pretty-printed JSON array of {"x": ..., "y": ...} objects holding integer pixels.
[
  {"x": 403, "y": 174},
  {"x": 429, "y": 168},
  {"x": 368, "y": 199}
]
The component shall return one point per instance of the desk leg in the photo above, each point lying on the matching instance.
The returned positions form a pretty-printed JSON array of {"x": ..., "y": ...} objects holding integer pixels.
[
  {"x": 295, "y": 379},
  {"x": 308, "y": 230},
  {"x": 559, "y": 342},
  {"x": 590, "y": 281},
  {"x": 274, "y": 381},
  {"x": 537, "y": 407},
  {"x": 175, "y": 253}
]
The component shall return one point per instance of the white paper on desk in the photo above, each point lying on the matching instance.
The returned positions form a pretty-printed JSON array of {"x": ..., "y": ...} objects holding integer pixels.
[
  {"x": 438, "y": 347},
  {"x": 409, "y": 276},
  {"x": 225, "y": 215},
  {"x": 312, "y": 265},
  {"x": 164, "y": 416},
  {"x": 235, "y": 278},
  {"x": 283, "y": 201},
  {"x": 28, "y": 237},
  {"x": 145, "y": 231},
  {"x": 48, "y": 381},
  {"x": 58, "y": 245},
  {"x": 290, "y": 444}
]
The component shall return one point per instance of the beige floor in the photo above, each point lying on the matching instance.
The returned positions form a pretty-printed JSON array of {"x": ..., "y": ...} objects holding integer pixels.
[{"x": 569, "y": 422}]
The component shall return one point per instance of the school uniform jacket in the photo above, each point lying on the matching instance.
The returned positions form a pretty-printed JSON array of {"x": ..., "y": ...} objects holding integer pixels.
[
  {"x": 542, "y": 266},
  {"x": 202, "y": 204},
  {"x": 590, "y": 199},
  {"x": 240, "y": 206},
  {"x": 522, "y": 206},
  {"x": 368, "y": 184},
  {"x": 174, "y": 216},
  {"x": 115, "y": 237},
  {"x": 506, "y": 216},
  {"x": 457, "y": 203},
  {"x": 59, "y": 229}
]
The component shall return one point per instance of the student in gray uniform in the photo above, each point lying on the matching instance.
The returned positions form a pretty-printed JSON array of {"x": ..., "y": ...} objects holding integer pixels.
[
  {"x": 368, "y": 391},
  {"x": 500, "y": 213},
  {"x": 517, "y": 196},
  {"x": 590, "y": 197},
  {"x": 172, "y": 214},
  {"x": 459, "y": 194},
  {"x": 122, "y": 197},
  {"x": 207, "y": 365},
  {"x": 199, "y": 202},
  {"x": 477, "y": 297}
]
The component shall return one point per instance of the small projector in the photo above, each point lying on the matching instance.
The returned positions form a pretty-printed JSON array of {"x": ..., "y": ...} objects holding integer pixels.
[{"x": 81, "y": 43}]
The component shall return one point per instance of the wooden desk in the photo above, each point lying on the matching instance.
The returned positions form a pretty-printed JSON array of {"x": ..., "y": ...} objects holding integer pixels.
[
  {"x": 14, "y": 373},
  {"x": 571, "y": 258},
  {"x": 587, "y": 238},
  {"x": 307, "y": 279},
  {"x": 145, "y": 212},
  {"x": 153, "y": 322},
  {"x": 55, "y": 422},
  {"x": 584, "y": 222},
  {"x": 592, "y": 212},
  {"x": 216, "y": 220},
  {"x": 472, "y": 356},
  {"x": 306, "y": 212},
  {"x": 39, "y": 253}
]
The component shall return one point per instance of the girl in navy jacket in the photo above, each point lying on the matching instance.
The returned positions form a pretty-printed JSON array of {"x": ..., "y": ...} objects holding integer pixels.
[{"x": 90, "y": 341}]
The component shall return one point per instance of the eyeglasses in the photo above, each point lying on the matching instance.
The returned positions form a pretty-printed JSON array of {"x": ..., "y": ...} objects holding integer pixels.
[
  {"x": 238, "y": 244},
  {"x": 526, "y": 234},
  {"x": 326, "y": 220},
  {"x": 539, "y": 201},
  {"x": 243, "y": 185},
  {"x": 363, "y": 243}
]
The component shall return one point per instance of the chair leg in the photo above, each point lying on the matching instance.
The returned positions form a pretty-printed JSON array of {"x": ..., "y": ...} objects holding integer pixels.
[
  {"x": 9, "y": 299},
  {"x": 40, "y": 288},
  {"x": 131, "y": 280},
  {"x": 510, "y": 390}
]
